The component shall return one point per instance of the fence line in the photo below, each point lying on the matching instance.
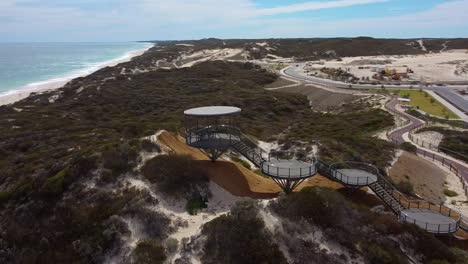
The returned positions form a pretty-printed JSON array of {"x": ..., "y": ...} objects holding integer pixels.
[{"x": 429, "y": 145}]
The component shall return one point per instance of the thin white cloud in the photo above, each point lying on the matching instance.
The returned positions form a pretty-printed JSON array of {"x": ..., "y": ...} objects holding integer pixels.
[
  {"x": 187, "y": 19},
  {"x": 309, "y": 6}
]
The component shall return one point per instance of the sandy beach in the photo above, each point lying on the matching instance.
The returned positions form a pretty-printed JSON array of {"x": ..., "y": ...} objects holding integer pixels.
[{"x": 14, "y": 96}]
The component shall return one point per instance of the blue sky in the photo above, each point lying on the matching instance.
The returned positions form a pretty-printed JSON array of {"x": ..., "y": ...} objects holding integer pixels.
[{"x": 125, "y": 20}]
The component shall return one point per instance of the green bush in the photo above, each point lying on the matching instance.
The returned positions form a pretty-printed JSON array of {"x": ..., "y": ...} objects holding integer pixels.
[
  {"x": 376, "y": 254},
  {"x": 119, "y": 159},
  {"x": 149, "y": 146},
  {"x": 429, "y": 246},
  {"x": 4, "y": 196},
  {"x": 242, "y": 162},
  {"x": 240, "y": 237},
  {"x": 405, "y": 187},
  {"x": 55, "y": 184},
  {"x": 195, "y": 204},
  {"x": 177, "y": 176},
  {"x": 148, "y": 252},
  {"x": 324, "y": 207},
  {"x": 407, "y": 146},
  {"x": 450, "y": 193}
]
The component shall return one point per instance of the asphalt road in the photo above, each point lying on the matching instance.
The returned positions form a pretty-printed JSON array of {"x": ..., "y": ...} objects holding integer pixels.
[
  {"x": 396, "y": 137},
  {"x": 446, "y": 92}
]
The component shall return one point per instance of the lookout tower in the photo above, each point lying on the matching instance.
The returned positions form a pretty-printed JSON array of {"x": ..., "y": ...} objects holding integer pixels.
[{"x": 214, "y": 129}]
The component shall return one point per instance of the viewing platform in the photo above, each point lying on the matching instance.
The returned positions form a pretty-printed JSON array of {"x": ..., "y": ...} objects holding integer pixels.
[
  {"x": 214, "y": 130},
  {"x": 354, "y": 174},
  {"x": 288, "y": 173}
]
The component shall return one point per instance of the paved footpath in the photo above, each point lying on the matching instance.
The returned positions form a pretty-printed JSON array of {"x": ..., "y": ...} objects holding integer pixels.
[{"x": 396, "y": 137}]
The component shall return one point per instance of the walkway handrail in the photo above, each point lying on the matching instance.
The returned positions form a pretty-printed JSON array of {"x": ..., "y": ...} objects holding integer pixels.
[
  {"x": 429, "y": 145},
  {"x": 214, "y": 129},
  {"x": 432, "y": 228},
  {"x": 421, "y": 204},
  {"x": 358, "y": 181},
  {"x": 303, "y": 172}
]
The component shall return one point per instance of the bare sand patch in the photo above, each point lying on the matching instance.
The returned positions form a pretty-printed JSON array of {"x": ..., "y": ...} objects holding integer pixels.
[{"x": 428, "y": 180}]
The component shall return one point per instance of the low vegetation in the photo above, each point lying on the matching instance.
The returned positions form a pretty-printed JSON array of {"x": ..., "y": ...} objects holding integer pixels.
[
  {"x": 454, "y": 143},
  {"x": 242, "y": 162},
  {"x": 406, "y": 187},
  {"x": 148, "y": 252},
  {"x": 240, "y": 237},
  {"x": 65, "y": 164},
  {"x": 423, "y": 101},
  {"x": 379, "y": 238},
  {"x": 450, "y": 193},
  {"x": 177, "y": 176},
  {"x": 347, "y": 136}
]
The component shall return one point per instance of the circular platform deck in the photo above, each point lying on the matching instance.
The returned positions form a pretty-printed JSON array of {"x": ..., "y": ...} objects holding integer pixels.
[
  {"x": 355, "y": 177},
  {"x": 431, "y": 221},
  {"x": 288, "y": 169}
]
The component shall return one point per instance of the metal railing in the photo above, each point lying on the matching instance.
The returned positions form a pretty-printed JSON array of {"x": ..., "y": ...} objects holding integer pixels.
[
  {"x": 451, "y": 165},
  {"x": 292, "y": 173},
  {"x": 430, "y": 227},
  {"x": 350, "y": 180},
  {"x": 212, "y": 132},
  {"x": 434, "y": 147},
  {"x": 410, "y": 204}
]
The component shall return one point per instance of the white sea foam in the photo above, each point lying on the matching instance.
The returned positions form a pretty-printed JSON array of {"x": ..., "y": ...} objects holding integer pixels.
[{"x": 55, "y": 83}]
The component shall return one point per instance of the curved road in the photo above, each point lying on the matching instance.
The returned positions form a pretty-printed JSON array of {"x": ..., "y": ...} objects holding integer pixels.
[
  {"x": 396, "y": 136},
  {"x": 446, "y": 94}
]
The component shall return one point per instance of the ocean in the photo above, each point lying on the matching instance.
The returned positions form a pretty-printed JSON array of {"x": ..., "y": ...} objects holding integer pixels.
[{"x": 26, "y": 66}]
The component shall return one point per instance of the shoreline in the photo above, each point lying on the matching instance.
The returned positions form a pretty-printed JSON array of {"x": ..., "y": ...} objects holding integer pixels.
[{"x": 56, "y": 83}]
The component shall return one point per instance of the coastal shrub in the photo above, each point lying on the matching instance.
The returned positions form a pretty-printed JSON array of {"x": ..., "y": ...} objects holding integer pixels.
[
  {"x": 454, "y": 143},
  {"x": 405, "y": 187},
  {"x": 450, "y": 193},
  {"x": 177, "y": 176},
  {"x": 195, "y": 204},
  {"x": 321, "y": 206},
  {"x": 119, "y": 159},
  {"x": 4, "y": 196},
  {"x": 240, "y": 237},
  {"x": 407, "y": 146},
  {"x": 376, "y": 254},
  {"x": 347, "y": 136},
  {"x": 242, "y": 162},
  {"x": 153, "y": 224},
  {"x": 148, "y": 252},
  {"x": 55, "y": 185},
  {"x": 427, "y": 245},
  {"x": 149, "y": 146}
]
